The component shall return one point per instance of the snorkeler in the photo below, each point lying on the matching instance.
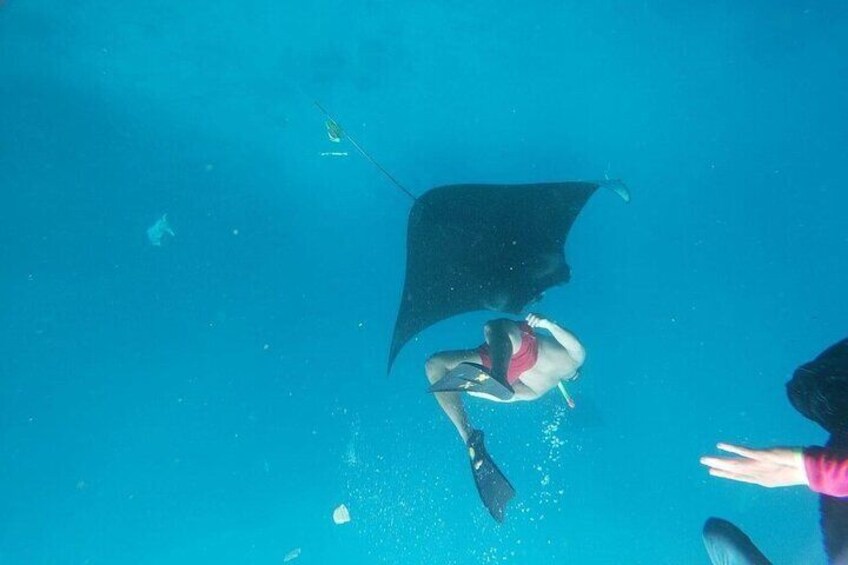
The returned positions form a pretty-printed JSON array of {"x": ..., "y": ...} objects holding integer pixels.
[
  {"x": 819, "y": 391},
  {"x": 516, "y": 363}
]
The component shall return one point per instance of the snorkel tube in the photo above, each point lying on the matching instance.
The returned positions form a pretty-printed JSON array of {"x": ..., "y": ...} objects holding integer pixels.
[{"x": 568, "y": 399}]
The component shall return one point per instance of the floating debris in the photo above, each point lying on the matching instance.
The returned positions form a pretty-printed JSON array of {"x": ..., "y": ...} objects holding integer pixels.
[
  {"x": 334, "y": 131},
  {"x": 341, "y": 515},
  {"x": 292, "y": 555},
  {"x": 157, "y": 232},
  {"x": 333, "y": 154}
]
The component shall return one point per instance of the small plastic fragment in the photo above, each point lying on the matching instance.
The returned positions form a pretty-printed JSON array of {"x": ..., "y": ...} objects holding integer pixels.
[
  {"x": 341, "y": 515},
  {"x": 157, "y": 232}
]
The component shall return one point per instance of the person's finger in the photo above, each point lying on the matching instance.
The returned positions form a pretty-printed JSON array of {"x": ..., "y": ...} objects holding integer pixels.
[
  {"x": 722, "y": 463},
  {"x": 720, "y": 473},
  {"x": 738, "y": 477},
  {"x": 739, "y": 450}
]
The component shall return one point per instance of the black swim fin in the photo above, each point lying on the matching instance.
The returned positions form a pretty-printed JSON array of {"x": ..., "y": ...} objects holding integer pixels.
[
  {"x": 467, "y": 377},
  {"x": 492, "y": 485}
]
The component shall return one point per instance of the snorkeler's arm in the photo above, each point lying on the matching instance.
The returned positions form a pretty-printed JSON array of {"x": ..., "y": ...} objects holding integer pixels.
[
  {"x": 824, "y": 470},
  {"x": 772, "y": 467},
  {"x": 565, "y": 338}
]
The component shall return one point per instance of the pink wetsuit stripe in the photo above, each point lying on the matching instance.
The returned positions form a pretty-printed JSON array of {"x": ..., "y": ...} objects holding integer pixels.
[{"x": 827, "y": 470}]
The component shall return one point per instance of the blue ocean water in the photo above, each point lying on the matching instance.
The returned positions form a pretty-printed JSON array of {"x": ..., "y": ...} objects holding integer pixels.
[{"x": 213, "y": 399}]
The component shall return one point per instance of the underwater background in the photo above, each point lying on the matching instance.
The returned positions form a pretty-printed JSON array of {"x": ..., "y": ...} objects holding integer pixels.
[{"x": 213, "y": 399}]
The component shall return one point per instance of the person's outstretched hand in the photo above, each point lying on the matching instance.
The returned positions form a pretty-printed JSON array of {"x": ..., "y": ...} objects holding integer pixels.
[{"x": 773, "y": 467}]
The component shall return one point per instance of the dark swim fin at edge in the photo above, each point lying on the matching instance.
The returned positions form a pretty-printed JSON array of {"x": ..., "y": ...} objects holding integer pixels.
[{"x": 493, "y": 487}]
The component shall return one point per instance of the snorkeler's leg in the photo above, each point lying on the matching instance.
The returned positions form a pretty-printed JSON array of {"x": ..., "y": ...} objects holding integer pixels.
[
  {"x": 493, "y": 487},
  {"x": 437, "y": 367},
  {"x": 504, "y": 339}
]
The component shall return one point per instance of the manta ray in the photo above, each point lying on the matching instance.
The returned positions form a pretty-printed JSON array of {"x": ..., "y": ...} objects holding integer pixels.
[
  {"x": 480, "y": 246},
  {"x": 486, "y": 247}
]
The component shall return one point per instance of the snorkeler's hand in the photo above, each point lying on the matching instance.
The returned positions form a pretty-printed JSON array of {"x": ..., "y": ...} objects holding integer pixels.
[
  {"x": 537, "y": 321},
  {"x": 773, "y": 467},
  {"x": 565, "y": 338}
]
